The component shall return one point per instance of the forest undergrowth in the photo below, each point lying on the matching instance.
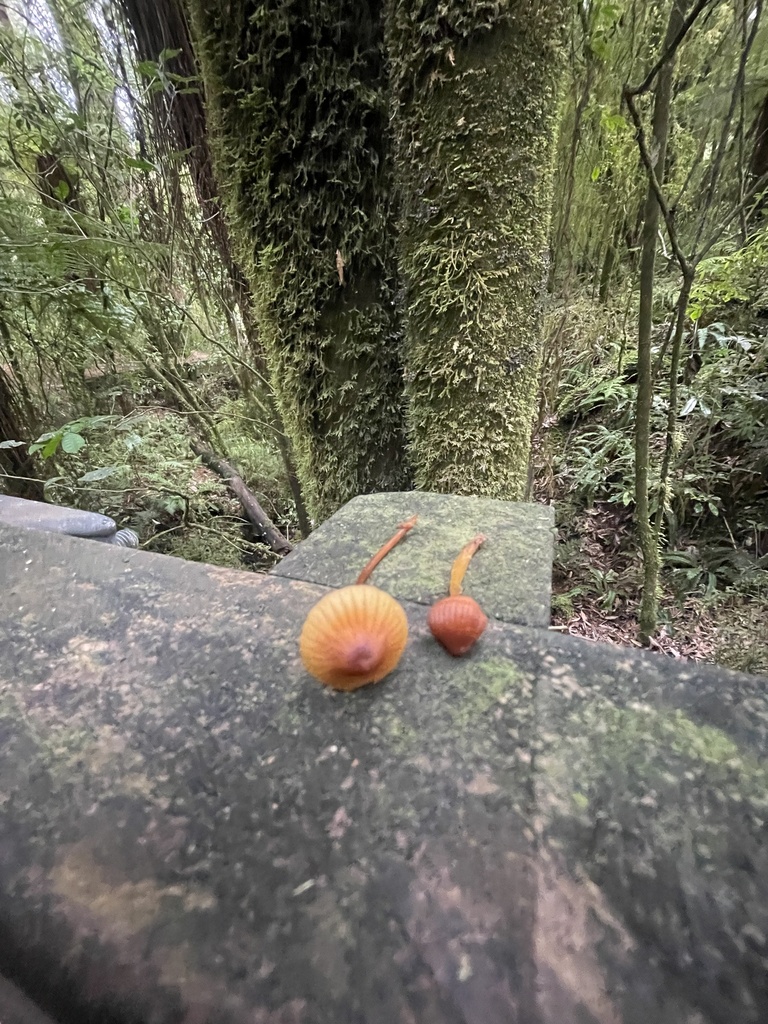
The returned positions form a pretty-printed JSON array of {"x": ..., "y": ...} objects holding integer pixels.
[
  {"x": 140, "y": 469},
  {"x": 714, "y": 580}
]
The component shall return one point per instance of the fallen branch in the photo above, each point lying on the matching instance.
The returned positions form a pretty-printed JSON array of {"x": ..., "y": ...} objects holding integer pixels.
[{"x": 259, "y": 519}]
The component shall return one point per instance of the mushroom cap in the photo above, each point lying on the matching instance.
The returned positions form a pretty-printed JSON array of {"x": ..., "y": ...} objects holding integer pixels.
[
  {"x": 353, "y": 636},
  {"x": 457, "y": 622}
]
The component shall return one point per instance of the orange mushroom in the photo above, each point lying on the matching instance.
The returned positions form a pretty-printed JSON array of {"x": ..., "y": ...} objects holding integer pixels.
[{"x": 356, "y": 635}]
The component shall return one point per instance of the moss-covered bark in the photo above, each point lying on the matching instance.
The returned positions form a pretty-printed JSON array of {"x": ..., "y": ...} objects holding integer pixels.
[
  {"x": 297, "y": 106},
  {"x": 474, "y": 90}
]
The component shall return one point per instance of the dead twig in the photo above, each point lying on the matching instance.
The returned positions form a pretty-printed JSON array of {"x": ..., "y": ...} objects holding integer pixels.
[{"x": 256, "y": 515}]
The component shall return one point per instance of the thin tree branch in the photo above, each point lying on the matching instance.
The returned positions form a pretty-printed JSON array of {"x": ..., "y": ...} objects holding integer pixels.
[
  {"x": 748, "y": 204},
  {"x": 672, "y": 408},
  {"x": 686, "y": 263},
  {"x": 670, "y": 52},
  {"x": 738, "y": 90},
  {"x": 669, "y": 218},
  {"x": 695, "y": 163}
]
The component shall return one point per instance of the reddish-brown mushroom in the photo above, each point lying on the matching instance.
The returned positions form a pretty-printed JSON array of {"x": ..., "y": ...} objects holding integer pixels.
[{"x": 458, "y": 621}]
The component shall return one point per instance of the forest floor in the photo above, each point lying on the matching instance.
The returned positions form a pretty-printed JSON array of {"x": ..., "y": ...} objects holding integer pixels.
[
  {"x": 596, "y": 595},
  {"x": 596, "y": 592},
  {"x": 714, "y": 575}
]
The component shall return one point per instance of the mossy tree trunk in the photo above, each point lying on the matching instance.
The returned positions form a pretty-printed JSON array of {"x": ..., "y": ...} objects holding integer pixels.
[
  {"x": 179, "y": 122},
  {"x": 475, "y": 88},
  {"x": 298, "y": 113}
]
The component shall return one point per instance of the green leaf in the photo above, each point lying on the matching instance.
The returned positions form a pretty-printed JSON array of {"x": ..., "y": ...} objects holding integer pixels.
[
  {"x": 61, "y": 191},
  {"x": 133, "y": 441},
  {"x": 72, "y": 443},
  {"x": 595, "y": 173},
  {"x": 98, "y": 474},
  {"x": 694, "y": 311},
  {"x": 139, "y": 163},
  {"x": 168, "y": 54},
  {"x": 177, "y": 155},
  {"x": 75, "y": 122},
  {"x": 47, "y": 443},
  {"x": 51, "y": 447},
  {"x": 126, "y": 215},
  {"x": 87, "y": 423},
  {"x": 46, "y": 436},
  {"x": 148, "y": 68}
]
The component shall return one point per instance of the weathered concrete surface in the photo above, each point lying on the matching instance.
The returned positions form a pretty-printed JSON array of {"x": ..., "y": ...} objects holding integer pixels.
[
  {"x": 38, "y": 515},
  {"x": 191, "y": 829},
  {"x": 511, "y": 575},
  {"x": 15, "y": 1008}
]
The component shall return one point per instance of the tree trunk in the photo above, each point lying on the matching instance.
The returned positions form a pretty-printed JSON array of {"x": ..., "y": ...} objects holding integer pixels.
[
  {"x": 299, "y": 123},
  {"x": 647, "y": 537},
  {"x": 180, "y": 124},
  {"x": 670, "y": 445},
  {"x": 563, "y": 223},
  {"x": 475, "y": 89},
  {"x": 758, "y": 166}
]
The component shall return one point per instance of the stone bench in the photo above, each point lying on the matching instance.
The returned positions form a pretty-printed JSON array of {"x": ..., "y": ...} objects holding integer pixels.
[{"x": 193, "y": 830}]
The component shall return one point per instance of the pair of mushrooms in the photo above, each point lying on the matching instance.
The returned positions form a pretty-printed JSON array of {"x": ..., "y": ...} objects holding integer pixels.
[{"x": 356, "y": 635}]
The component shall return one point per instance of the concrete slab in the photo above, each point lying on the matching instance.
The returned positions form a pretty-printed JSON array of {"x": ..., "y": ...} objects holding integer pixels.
[
  {"x": 192, "y": 829},
  {"x": 511, "y": 574}
]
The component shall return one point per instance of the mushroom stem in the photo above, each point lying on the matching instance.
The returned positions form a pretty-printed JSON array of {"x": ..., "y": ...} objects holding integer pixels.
[
  {"x": 401, "y": 532},
  {"x": 461, "y": 563}
]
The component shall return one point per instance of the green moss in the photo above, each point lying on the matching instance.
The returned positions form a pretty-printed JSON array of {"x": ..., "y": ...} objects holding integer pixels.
[
  {"x": 562, "y": 605},
  {"x": 475, "y": 97},
  {"x": 483, "y": 685},
  {"x": 471, "y": 687},
  {"x": 662, "y": 748},
  {"x": 298, "y": 96},
  {"x": 401, "y": 734},
  {"x": 298, "y": 115}
]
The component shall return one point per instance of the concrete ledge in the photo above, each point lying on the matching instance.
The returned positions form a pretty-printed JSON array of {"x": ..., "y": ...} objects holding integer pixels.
[
  {"x": 191, "y": 829},
  {"x": 511, "y": 575}
]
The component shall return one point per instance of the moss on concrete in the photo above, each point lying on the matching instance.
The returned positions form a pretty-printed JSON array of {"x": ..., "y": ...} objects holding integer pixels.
[
  {"x": 665, "y": 810},
  {"x": 510, "y": 575}
]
